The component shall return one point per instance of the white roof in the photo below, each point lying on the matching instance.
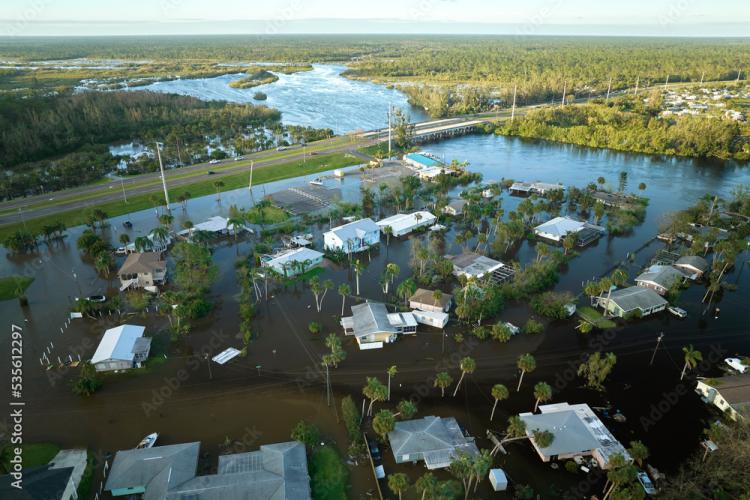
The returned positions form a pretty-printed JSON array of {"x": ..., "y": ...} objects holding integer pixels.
[
  {"x": 357, "y": 229},
  {"x": 295, "y": 255},
  {"x": 560, "y": 226},
  {"x": 226, "y": 355},
  {"x": 118, "y": 343},
  {"x": 215, "y": 224},
  {"x": 402, "y": 319},
  {"x": 400, "y": 222}
]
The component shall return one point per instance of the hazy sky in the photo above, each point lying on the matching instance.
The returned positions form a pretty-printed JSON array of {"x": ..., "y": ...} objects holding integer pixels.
[{"x": 100, "y": 17}]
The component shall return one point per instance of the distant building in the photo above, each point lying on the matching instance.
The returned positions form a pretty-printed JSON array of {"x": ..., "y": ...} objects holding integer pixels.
[
  {"x": 216, "y": 225},
  {"x": 660, "y": 278},
  {"x": 693, "y": 266},
  {"x": 373, "y": 326},
  {"x": 292, "y": 262},
  {"x": 157, "y": 244},
  {"x": 57, "y": 480},
  {"x": 142, "y": 270},
  {"x": 353, "y": 237},
  {"x": 431, "y": 318},
  {"x": 474, "y": 265},
  {"x": 455, "y": 207},
  {"x": 435, "y": 441},
  {"x": 558, "y": 228},
  {"x": 402, "y": 224},
  {"x": 577, "y": 431},
  {"x": 632, "y": 300},
  {"x": 424, "y": 300},
  {"x": 274, "y": 472},
  {"x": 430, "y": 174},
  {"x": 528, "y": 188},
  {"x": 421, "y": 161},
  {"x": 730, "y": 394},
  {"x": 122, "y": 348}
]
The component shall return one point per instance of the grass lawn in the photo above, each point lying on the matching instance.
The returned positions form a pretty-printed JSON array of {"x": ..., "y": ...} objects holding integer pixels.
[
  {"x": 271, "y": 215},
  {"x": 594, "y": 317},
  {"x": 38, "y": 453},
  {"x": 329, "y": 475},
  {"x": 203, "y": 187},
  {"x": 11, "y": 287}
]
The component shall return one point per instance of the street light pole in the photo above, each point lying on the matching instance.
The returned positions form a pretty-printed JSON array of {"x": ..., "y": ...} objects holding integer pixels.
[{"x": 658, "y": 341}]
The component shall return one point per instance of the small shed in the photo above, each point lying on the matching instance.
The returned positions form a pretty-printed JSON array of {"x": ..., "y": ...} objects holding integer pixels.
[
  {"x": 121, "y": 348},
  {"x": 498, "y": 479}
]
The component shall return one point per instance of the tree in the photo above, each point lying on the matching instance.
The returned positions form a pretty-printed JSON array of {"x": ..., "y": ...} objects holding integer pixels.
[
  {"x": 319, "y": 290},
  {"x": 596, "y": 369},
  {"x": 235, "y": 223},
  {"x": 619, "y": 475},
  {"x": 639, "y": 452},
  {"x": 87, "y": 382},
  {"x": 406, "y": 289},
  {"x": 499, "y": 392},
  {"x": 351, "y": 417},
  {"x": 516, "y": 429},
  {"x": 443, "y": 380},
  {"x": 218, "y": 185},
  {"x": 569, "y": 242},
  {"x": 391, "y": 371},
  {"x": 382, "y": 423},
  {"x": 314, "y": 327},
  {"x": 481, "y": 464},
  {"x": 692, "y": 358},
  {"x": 124, "y": 239},
  {"x": 398, "y": 483},
  {"x": 533, "y": 327},
  {"x": 143, "y": 244},
  {"x": 467, "y": 365},
  {"x": 406, "y": 409},
  {"x": 358, "y": 268},
  {"x": 306, "y": 433},
  {"x": 526, "y": 363},
  {"x": 392, "y": 270},
  {"x": 374, "y": 390},
  {"x": 427, "y": 485},
  {"x": 461, "y": 468},
  {"x": 344, "y": 290},
  {"x": 387, "y": 231},
  {"x": 542, "y": 438},
  {"x": 542, "y": 393}
]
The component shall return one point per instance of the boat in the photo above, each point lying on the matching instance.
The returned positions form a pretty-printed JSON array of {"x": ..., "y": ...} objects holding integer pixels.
[
  {"x": 127, "y": 224},
  {"x": 316, "y": 182},
  {"x": 736, "y": 364},
  {"x": 645, "y": 481},
  {"x": 679, "y": 312},
  {"x": 97, "y": 298},
  {"x": 148, "y": 441},
  {"x": 514, "y": 330}
]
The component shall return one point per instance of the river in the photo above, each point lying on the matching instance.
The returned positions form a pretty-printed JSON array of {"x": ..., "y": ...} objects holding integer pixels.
[
  {"x": 320, "y": 98},
  {"x": 278, "y": 383}
]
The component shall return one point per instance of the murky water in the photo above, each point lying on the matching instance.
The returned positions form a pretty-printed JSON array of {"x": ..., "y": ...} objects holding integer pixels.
[
  {"x": 279, "y": 382},
  {"x": 320, "y": 98}
]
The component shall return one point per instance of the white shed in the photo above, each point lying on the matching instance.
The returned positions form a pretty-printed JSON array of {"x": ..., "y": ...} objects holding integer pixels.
[
  {"x": 121, "y": 348},
  {"x": 498, "y": 479}
]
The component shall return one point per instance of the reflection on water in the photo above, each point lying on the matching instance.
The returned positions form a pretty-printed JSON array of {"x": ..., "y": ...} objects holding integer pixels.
[{"x": 320, "y": 98}]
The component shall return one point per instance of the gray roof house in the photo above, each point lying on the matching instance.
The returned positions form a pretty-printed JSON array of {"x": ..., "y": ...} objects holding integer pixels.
[
  {"x": 57, "y": 480},
  {"x": 434, "y": 440},
  {"x": 632, "y": 300},
  {"x": 693, "y": 266},
  {"x": 274, "y": 472},
  {"x": 455, "y": 207},
  {"x": 372, "y": 325},
  {"x": 660, "y": 278},
  {"x": 474, "y": 265}
]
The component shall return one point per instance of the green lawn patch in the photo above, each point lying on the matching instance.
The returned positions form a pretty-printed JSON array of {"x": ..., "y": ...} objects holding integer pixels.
[
  {"x": 270, "y": 215},
  {"x": 12, "y": 287},
  {"x": 594, "y": 317},
  {"x": 329, "y": 475},
  {"x": 35, "y": 454}
]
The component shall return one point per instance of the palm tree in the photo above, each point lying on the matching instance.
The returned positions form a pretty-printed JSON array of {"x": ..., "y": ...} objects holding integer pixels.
[
  {"x": 166, "y": 219},
  {"x": 406, "y": 289},
  {"x": 124, "y": 239},
  {"x": 516, "y": 429},
  {"x": 188, "y": 224},
  {"x": 526, "y": 363},
  {"x": 481, "y": 466},
  {"x": 383, "y": 423},
  {"x": 387, "y": 231},
  {"x": 568, "y": 243},
  {"x": 542, "y": 393},
  {"x": 374, "y": 390},
  {"x": 443, "y": 380},
  {"x": 467, "y": 365},
  {"x": 428, "y": 485},
  {"x": 437, "y": 295},
  {"x": 185, "y": 197},
  {"x": 398, "y": 483},
  {"x": 358, "y": 268},
  {"x": 234, "y": 223},
  {"x": 344, "y": 290},
  {"x": 692, "y": 358},
  {"x": 160, "y": 234},
  {"x": 143, "y": 244},
  {"x": 499, "y": 393},
  {"x": 218, "y": 185},
  {"x": 391, "y": 371}
]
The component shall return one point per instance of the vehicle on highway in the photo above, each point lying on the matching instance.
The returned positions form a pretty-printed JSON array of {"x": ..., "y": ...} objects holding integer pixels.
[
  {"x": 127, "y": 224},
  {"x": 210, "y": 172},
  {"x": 281, "y": 148},
  {"x": 238, "y": 158},
  {"x": 213, "y": 162}
]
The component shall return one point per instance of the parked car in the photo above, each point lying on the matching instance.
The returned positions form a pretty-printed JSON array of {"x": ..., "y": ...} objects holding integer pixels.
[
  {"x": 213, "y": 162},
  {"x": 645, "y": 481},
  {"x": 281, "y": 148},
  {"x": 374, "y": 450},
  {"x": 127, "y": 224},
  {"x": 680, "y": 313}
]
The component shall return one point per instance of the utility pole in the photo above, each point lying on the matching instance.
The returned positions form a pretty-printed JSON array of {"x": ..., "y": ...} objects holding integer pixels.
[
  {"x": 250, "y": 187},
  {"x": 666, "y": 82},
  {"x": 163, "y": 179},
  {"x": 739, "y": 72},
  {"x": 658, "y": 341},
  {"x": 702, "y": 75},
  {"x": 637, "y": 80},
  {"x": 122, "y": 184},
  {"x": 328, "y": 387},
  {"x": 389, "y": 131},
  {"x": 208, "y": 362},
  {"x": 513, "y": 110},
  {"x": 609, "y": 87},
  {"x": 565, "y": 88}
]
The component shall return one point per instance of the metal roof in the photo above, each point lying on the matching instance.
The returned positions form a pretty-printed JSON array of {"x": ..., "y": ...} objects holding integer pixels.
[
  {"x": 353, "y": 230},
  {"x": 694, "y": 261},
  {"x": 300, "y": 254},
  {"x": 140, "y": 263},
  {"x": 560, "y": 226},
  {"x": 637, "y": 297},
  {"x": 404, "y": 222},
  {"x": 474, "y": 264},
  {"x": 424, "y": 296},
  {"x": 436, "y": 439},
  {"x": 120, "y": 343},
  {"x": 664, "y": 276}
]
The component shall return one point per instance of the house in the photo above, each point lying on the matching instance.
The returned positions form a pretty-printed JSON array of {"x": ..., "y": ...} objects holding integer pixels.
[
  {"x": 614, "y": 200},
  {"x": 421, "y": 161},
  {"x": 57, "y": 480},
  {"x": 632, "y": 300},
  {"x": 528, "y": 188},
  {"x": 438, "y": 319},
  {"x": 730, "y": 394},
  {"x": 122, "y": 348},
  {"x": 434, "y": 440},
  {"x": 473, "y": 265},
  {"x": 659, "y": 278},
  {"x": 216, "y": 225},
  {"x": 293, "y": 261},
  {"x": 160, "y": 244},
  {"x": 353, "y": 237},
  {"x": 402, "y": 224},
  {"x": 498, "y": 479},
  {"x": 142, "y": 270},
  {"x": 558, "y": 228},
  {"x": 430, "y": 174},
  {"x": 274, "y": 472},
  {"x": 424, "y": 300},
  {"x": 577, "y": 431},
  {"x": 693, "y": 266},
  {"x": 455, "y": 207},
  {"x": 372, "y": 325}
]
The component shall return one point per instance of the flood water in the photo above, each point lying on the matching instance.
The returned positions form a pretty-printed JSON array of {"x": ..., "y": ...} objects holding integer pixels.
[
  {"x": 320, "y": 98},
  {"x": 257, "y": 399}
]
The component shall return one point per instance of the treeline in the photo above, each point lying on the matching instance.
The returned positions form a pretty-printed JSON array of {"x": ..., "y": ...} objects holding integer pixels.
[
  {"x": 51, "y": 143},
  {"x": 610, "y": 126}
]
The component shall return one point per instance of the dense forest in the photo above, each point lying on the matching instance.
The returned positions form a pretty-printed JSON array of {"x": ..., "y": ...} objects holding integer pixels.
[
  {"x": 61, "y": 141},
  {"x": 629, "y": 125}
]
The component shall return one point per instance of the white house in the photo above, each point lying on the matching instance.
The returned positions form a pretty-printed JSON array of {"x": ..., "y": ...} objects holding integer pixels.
[
  {"x": 292, "y": 262},
  {"x": 216, "y": 225},
  {"x": 474, "y": 265},
  {"x": 729, "y": 394},
  {"x": 632, "y": 300},
  {"x": 558, "y": 228},
  {"x": 438, "y": 319},
  {"x": 372, "y": 325},
  {"x": 693, "y": 266},
  {"x": 121, "y": 348},
  {"x": 402, "y": 224},
  {"x": 353, "y": 237},
  {"x": 455, "y": 207},
  {"x": 660, "y": 278}
]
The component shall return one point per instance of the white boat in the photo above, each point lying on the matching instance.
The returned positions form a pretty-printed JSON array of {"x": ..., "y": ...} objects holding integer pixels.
[
  {"x": 316, "y": 182},
  {"x": 736, "y": 364},
  {"x": 680, "y": 313},
  {"x": 148, "y": 441},
  {"x": 514, "y": 330}
]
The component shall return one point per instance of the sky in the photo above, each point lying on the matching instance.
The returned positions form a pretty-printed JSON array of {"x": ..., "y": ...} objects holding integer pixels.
[{"x": 529, "y": 17}]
